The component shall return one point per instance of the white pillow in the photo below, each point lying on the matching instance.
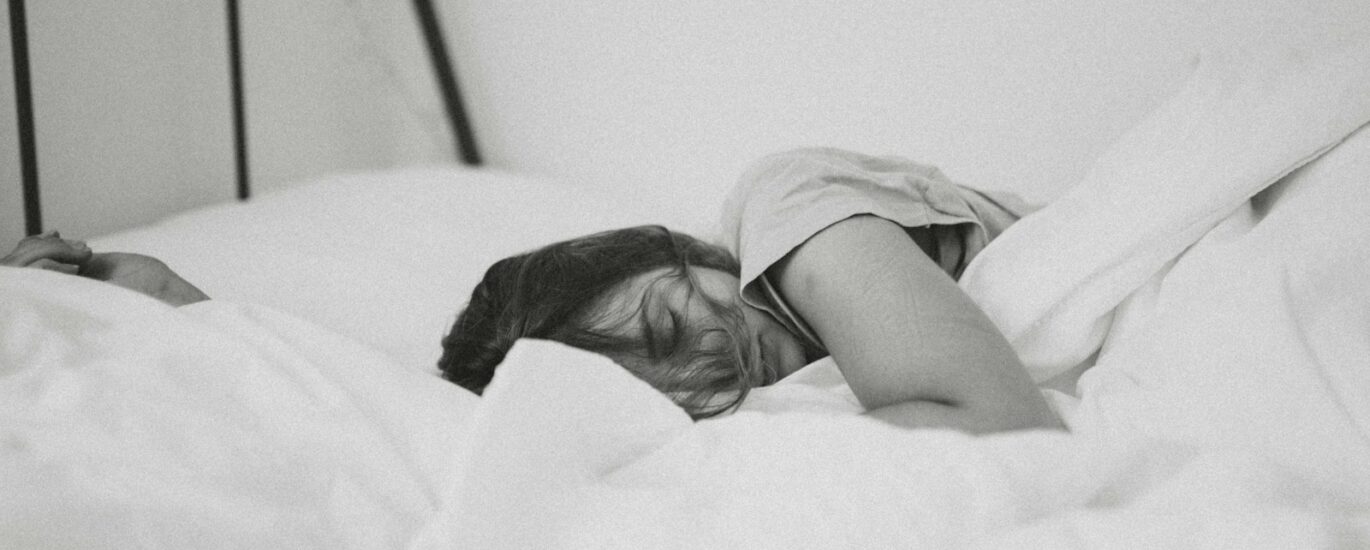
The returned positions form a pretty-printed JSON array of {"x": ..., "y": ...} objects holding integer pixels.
[{"x": 384, "y": 258}]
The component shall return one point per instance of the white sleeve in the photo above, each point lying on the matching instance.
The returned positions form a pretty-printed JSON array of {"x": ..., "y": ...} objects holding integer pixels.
[{"x": 784, "y": 199}]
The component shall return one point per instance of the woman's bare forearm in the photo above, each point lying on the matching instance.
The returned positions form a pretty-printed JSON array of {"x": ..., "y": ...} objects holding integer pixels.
[
  {"x": 136, "y": 272},
  {"x": 143, "y": 274},
  {"x": 975, "y": 420},
  {"x": 914, "y": 348}
]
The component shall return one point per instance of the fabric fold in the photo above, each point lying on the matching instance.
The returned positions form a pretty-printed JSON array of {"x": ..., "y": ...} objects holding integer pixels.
[{"x": 1243, "y": 121}]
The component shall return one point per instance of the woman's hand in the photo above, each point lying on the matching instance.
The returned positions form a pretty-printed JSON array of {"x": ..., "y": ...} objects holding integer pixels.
[
  {"x": 48, "y": 251},
  {"x": 143, "y": 274},
  {"x": 136, "y": 272}
]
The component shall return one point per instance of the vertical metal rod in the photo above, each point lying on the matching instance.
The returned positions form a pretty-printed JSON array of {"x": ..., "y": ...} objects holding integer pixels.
[
  {"x": 23, "y": 102},
  {"x": 447, "y": 82},
  {"x": 235, "y": 67}
]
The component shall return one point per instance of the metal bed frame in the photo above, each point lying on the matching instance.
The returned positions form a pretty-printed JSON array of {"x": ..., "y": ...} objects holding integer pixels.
[{"x": 23, "y": 97}]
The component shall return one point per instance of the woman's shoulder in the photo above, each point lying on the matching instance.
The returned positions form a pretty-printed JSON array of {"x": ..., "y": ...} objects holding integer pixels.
[
  {"x": 794, "y": 179},
  {"x": 794, "y": 164}
]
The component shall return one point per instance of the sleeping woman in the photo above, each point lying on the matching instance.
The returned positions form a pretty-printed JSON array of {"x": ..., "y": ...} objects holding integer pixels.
[{"x": 826, "y": 252}]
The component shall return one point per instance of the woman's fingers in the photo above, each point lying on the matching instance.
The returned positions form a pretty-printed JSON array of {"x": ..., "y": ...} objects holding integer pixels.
[
  {"x": 52, "y": 265},
  {"x": 68, "y": 251},
  {"x": 50, "y": 246},
  {"x": 75, "y": 252}
]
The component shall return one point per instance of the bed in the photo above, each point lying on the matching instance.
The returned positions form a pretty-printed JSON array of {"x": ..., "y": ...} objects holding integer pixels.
[{"x": 1198, "y": 290}]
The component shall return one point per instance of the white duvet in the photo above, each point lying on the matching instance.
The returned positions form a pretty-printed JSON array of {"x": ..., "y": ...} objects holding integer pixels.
[
  {"x": 1228, "y": 406},
  {"x": 125, "y": 423}
]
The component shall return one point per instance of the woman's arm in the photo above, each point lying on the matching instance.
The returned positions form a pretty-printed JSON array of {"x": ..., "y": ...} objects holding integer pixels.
[
  {"x": 915, "y": 349},
  {"x": 143, "y": 274}
]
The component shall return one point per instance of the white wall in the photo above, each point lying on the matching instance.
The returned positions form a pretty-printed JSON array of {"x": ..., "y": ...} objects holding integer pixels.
[
  {"x": 335, "y": 86},
  {"x": 1017, "y": 94},
  {"x": 133, "y": 110},
  {"x": 130, "y": 108},
  {"x": 671, "y": 98}
]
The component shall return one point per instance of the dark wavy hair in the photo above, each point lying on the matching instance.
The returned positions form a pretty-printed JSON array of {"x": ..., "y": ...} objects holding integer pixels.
[{"x": 561, "y": 292}]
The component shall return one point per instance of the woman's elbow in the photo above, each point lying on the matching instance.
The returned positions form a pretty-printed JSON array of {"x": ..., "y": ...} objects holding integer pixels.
[
  {"x": 973, "y": 418},
  {"x": 1030, "y": 413}
]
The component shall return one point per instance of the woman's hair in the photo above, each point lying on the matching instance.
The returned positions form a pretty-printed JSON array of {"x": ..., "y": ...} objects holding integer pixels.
[{"x": 563, "y": 292}]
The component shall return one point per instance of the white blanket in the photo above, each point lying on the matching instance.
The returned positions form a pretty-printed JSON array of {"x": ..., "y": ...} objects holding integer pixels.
[
  {"x": 1244, "y": 120},
  {"x": 125, "y": 423}
]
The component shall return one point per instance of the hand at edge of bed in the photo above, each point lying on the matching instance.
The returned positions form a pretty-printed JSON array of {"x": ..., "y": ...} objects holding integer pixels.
[
  {"x": 136, "y": 272},
  {"x": 48, "y": 251},
  {"x": 143, "y": 274}
]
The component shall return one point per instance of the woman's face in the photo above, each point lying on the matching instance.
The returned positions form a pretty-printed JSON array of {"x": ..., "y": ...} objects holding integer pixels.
[{"x": 771, "y": 344}]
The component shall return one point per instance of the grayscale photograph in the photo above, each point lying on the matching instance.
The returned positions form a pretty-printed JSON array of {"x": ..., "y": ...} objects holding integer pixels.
[{"x": 713, "y": 274}]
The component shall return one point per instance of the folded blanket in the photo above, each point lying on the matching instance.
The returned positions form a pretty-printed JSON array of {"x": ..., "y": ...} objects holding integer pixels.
[{"x": 1243, "y": 121}]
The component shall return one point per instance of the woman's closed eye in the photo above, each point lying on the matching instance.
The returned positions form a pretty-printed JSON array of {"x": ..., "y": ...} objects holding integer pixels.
[
  {"x": 661, "y": 327},
  {"x": 673, "y": 331},
  {"x": 767, "y": 371}
]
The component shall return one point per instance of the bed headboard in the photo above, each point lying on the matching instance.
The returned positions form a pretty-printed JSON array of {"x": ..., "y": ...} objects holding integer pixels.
[
  {"x": 428, "y": 23},
  {"x": 23, "y": 101}
]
